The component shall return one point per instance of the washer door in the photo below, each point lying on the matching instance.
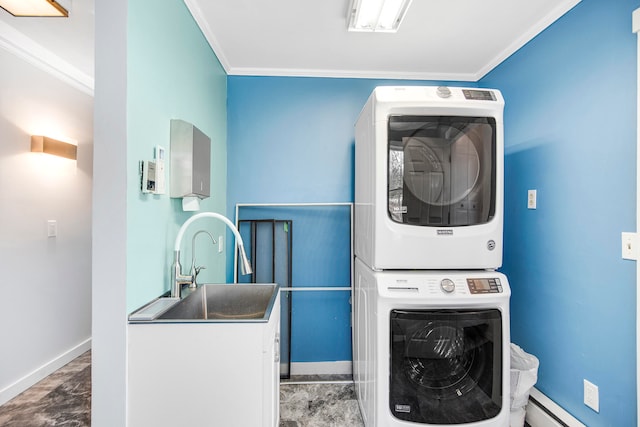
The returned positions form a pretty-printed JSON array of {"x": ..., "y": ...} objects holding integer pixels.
[
  {"x": 446, "y": 366},
  {"x": 441, "y": 170}
]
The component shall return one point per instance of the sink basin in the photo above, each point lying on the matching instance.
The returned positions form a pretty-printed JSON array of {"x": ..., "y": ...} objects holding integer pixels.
[{"x": 223, "y": 303}]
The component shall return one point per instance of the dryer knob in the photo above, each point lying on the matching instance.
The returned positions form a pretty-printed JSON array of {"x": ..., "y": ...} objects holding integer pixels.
[
  {"x": 447, "y": 285},
  {"x": 443, "y": 92}
]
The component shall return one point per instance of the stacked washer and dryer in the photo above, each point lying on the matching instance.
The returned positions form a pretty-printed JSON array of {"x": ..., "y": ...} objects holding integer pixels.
[{"x": 431, "y": 314}]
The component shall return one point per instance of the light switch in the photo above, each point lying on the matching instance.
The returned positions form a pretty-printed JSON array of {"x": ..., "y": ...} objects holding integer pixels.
[
  {"x": 629, "y": 246},
  {"x": 52, "y": 228}
]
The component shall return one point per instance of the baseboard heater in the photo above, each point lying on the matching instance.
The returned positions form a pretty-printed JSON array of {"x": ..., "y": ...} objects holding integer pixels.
[{"x": 544, "y": 412}]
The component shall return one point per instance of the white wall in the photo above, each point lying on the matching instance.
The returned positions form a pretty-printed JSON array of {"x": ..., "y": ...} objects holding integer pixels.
[
  {"x": 45, "y": 307},
  {"x": 109, "y": 369}
]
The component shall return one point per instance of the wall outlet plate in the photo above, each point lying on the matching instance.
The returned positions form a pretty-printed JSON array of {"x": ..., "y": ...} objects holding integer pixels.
[
  {"x": 629, "y": 246},
  {"x": 532, "y": 199},
  {"x": 591, "y": 396}
]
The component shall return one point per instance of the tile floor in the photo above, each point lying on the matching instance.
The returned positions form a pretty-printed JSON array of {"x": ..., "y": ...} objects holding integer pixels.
[
  {"x": 61, "y": 399},
  {"x": 319, "y": 405},
  {"x": 64, "y": 399}
]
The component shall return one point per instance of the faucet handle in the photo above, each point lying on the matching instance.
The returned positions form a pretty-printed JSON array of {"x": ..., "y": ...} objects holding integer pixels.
[{"x": 194, "y": 273}]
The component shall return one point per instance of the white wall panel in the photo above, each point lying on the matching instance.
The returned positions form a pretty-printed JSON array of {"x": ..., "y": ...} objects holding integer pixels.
[{"x": 45, "y": 309}]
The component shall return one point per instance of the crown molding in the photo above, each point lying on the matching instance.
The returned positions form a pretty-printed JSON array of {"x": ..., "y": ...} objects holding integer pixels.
[
  {"x": 24, "y": 47},
  {"x": 354, "y": 74},
  {"x": 202, "y": 23}
]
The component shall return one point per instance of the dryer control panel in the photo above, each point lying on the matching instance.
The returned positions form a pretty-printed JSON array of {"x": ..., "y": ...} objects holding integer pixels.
[{"x": 484, "y": 286}]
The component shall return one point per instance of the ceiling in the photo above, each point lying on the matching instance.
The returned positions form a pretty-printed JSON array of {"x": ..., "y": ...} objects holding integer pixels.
[{"x": 438, "y": 39}]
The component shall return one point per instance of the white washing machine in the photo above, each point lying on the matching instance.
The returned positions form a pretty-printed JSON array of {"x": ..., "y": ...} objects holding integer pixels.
[
  {"x": 429, "y": 178},
  {"x": 431, "y": 348}
]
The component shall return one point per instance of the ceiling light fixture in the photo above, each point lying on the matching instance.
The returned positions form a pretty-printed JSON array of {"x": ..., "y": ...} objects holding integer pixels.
[
  {"x": 34, "y": 8},
  {"x": 377, "y": 15},
  {"x": 44, "y": 144}
]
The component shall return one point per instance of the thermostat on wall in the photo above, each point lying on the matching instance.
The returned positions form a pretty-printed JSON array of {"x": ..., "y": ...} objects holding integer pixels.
[{"x": 148, "y": 182}]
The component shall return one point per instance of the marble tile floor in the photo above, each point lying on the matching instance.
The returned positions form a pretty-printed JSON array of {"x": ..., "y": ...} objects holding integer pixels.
[
  {"x": 64, "y": 399},
  {"x": 61, "y": 399},
  {"x": 319, "y": 404}
]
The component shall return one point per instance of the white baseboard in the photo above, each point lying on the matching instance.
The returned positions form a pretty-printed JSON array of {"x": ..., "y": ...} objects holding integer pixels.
[
  {"x": 342, "y": 367},
  {"x": 12, "y": 390},
  {"x": 544, "y": 412}
]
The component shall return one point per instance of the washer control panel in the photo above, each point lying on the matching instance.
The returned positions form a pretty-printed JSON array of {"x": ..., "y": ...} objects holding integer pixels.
[
  {"x": 443, "y": 284},
  {"x": 484, "y": 286}
]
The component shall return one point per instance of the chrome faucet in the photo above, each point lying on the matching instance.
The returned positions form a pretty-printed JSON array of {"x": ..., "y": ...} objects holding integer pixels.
[
  {"x": 195, "y": 270},
  {"x": 177, "y": 278}
]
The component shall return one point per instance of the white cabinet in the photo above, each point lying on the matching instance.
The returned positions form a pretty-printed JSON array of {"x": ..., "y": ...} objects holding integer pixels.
[{"x": 204, "y": 374}]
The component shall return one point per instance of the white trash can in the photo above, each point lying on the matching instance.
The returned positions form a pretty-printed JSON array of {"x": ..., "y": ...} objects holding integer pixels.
[{"x": 524, "y": 374}]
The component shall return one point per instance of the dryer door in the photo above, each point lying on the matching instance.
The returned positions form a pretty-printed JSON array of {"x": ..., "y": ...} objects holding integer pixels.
[
  {"x": 441, "y": 170},
  {"x": 446, "y": 366}
]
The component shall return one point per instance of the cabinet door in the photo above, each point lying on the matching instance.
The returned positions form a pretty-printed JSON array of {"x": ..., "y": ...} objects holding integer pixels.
[
  {"x": 275, "y": 378},
  {"x": 271, "y": 377}
]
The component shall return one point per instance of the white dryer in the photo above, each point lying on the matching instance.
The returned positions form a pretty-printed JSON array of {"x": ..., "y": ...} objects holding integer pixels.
[
  {"x": 429, "y": 178},
  {"x": 431, "y": 348}
]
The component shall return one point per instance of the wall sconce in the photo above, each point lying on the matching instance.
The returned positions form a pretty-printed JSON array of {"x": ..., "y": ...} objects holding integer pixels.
[
  {"x": 34, "y": 8},
  {"x": 44, "y": 144}
]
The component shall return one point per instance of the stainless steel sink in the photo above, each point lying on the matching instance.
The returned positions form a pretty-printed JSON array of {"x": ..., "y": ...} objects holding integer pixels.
[{"x": 222, "y": 303}]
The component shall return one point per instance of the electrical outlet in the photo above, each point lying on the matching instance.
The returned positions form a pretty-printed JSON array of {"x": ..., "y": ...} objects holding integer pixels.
[
  {"x": 532, "y": 199},
  {"x": 591, "y": 396},
  {"x": 629, "y": 246},
  {"x": 220, "y": 244}
]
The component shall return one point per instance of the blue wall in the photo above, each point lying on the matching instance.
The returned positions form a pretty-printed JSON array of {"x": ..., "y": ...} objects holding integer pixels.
[
  {"x": 570, "y": 130},
  {"x": 291, "y": 140}
]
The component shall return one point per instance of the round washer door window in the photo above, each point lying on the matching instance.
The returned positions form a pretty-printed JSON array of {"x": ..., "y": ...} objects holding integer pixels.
[
  {"x": 445, "y": 365},
  {"x": 441, "y": 170}
]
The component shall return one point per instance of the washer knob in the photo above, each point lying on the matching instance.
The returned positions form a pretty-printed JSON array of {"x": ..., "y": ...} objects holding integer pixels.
[
  {"x": 447, "y": 285},
  {"x": 443, "y": 92}
]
